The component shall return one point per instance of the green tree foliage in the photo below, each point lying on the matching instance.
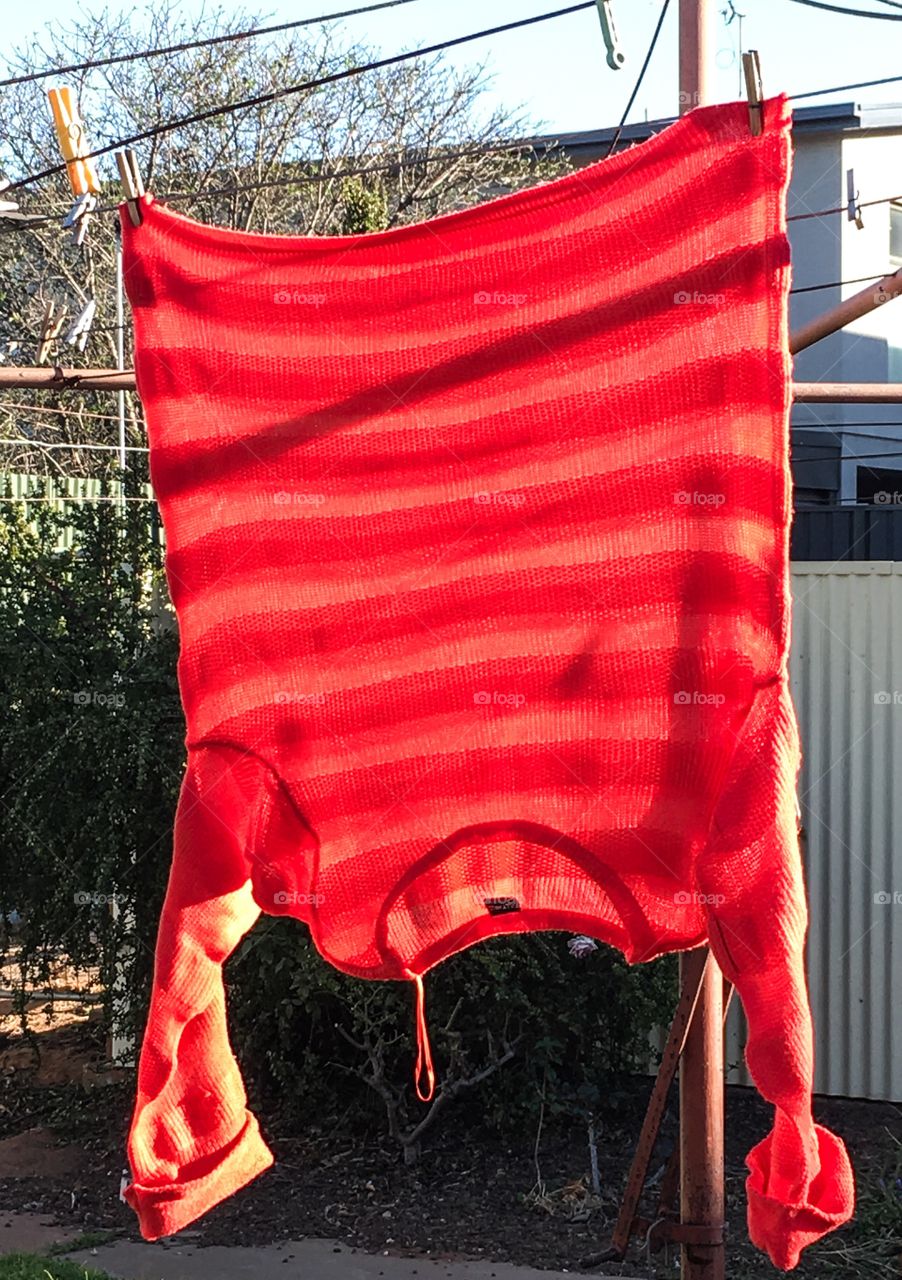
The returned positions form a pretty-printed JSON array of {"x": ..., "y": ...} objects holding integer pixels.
[{"x": 90, "y": 742}]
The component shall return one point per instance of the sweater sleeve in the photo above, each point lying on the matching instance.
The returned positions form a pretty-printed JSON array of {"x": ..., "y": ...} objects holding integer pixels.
[
  {"x": 192, "y": 1140},
  {"x": 800, "y": 1183}
]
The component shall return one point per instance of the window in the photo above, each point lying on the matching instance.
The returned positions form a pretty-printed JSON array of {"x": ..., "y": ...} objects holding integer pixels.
[
  {"x": 895, "y": 231},
  {"x": 881, "y": 486}
]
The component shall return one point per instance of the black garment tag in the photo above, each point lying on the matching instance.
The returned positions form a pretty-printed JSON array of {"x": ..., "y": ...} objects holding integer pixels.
[{"x": 501, "y": 906}]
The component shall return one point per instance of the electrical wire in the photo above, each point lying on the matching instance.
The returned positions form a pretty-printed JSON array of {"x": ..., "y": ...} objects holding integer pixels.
[
  {"x": 208, "y": 42},
  {"x": 890, "y": 454},
  {"x": 796, "y": 426},
  {"x": 844, "y": 208},
  {"x": 66, "y": 497},
  {"x": 500, "y": 148},
  {"x": 641, "y": 76},
  {"x": 853, "y": 13},
  {"x": 47, "y": 408},
  {"x": 277, "y": 94},
  {"x": 869, "y": 422},
  {"x": 843, "y": 88},
  {"x": 839, "y": 284}
]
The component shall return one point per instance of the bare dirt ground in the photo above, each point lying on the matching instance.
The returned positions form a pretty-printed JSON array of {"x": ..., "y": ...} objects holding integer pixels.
[{"x": 63, "y": 1120}]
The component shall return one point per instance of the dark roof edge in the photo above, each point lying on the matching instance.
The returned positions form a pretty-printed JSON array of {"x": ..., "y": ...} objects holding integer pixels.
[{"x": 833, "y": 117}]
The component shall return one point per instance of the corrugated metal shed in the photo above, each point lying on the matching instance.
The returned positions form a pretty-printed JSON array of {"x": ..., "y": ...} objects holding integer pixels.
[{"x": 846, "y": 669}]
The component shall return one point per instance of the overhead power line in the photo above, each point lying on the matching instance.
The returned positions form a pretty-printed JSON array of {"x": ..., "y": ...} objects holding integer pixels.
[
  {"x": 852, "y": 13},
  {"x": 844, "y": 88},
  {"x": 207, "y": 42},
  {"x": 838, "y": 284},
  {"x": 641, "y": 76},
  {"x": 332, "y": 78}
]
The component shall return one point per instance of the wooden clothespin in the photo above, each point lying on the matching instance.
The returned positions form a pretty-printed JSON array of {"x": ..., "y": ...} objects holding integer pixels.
[
  {"x": 751, "y": 66},
  {"x": 615, "y": 55},
  {"x": 132, "y": 184},
  {"x": 80, "y": 327},
  {"x": 79, "y": 216},
  {"x": 854, "y": 207},
  {"x": 51, "y": 327},
  {"x": 73, "y": 143}
]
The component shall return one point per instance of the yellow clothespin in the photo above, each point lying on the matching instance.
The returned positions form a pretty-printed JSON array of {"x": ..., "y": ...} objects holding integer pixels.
[
  {"x": 51, "y": 328},
  {"x": 751, "y": 66},
  {"x": 132, "y": 184},
  {"x": 71, "y": 134}
]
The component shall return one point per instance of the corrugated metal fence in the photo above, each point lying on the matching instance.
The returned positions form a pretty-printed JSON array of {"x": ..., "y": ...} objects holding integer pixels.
[
  {"x": 846, "y": 666},
  {"x": 57, "y": 491}
]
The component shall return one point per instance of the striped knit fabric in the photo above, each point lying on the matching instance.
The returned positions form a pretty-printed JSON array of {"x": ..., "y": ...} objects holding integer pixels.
[{"x": 477, "y": 536}]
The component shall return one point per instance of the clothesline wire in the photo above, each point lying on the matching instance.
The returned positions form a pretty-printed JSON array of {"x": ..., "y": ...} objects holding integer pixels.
[
  {"x": 843, "y": 208},
  {"x": 853, "y": 13},
  {"x": 641, "y": 76},
  {"x": 207, "y": 42},
  {"x": 402, "y": 162},
  {"x": 494, "y": 148},
  {"x": 844, "y": 88},
  {"x": 66, "y": 497},
  {"x": 813, "y": 444},
  {"x": 844, "y": 503},
  {"x": 888, "y": 454},
  {"x": 25, "y": 443},
  {"x": 810, "y": 288},
  {"x": 49, "y": 408},
  {"x": 838, "y": 284},
  {"x": 277, "y": 94}
]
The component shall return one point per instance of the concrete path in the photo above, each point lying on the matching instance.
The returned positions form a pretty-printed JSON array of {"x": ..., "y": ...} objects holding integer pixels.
[
  {"x": 32, "y": 1233},
  {"x": 295, "y": 1260},
  {"x": 181, "y": 1259}
]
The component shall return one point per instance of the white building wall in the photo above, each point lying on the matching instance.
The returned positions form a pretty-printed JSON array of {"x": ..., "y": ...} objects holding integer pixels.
[{"x": 832, "y": 249}]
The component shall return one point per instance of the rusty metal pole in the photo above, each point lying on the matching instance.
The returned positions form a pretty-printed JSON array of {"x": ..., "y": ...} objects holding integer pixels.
[
  {"x": 860, "y": 304},
  {"x": 694, "y": 60},
  {"x": 701, "y": 1065},
  {"x": 701, "y": 1125}
]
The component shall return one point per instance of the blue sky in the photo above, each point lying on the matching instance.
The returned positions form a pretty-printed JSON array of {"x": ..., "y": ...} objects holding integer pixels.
[{"x": 557, "y": 70}]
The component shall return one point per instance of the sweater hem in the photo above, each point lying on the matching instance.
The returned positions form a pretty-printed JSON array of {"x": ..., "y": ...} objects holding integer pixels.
[{"x": 167, "y": 1208}]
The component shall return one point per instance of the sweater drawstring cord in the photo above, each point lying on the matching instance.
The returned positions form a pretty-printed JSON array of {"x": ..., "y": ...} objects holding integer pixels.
[{"x": 424, "y": 1050}]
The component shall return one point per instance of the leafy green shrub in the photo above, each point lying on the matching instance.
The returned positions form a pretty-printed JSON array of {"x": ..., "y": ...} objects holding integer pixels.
[
  {"x": 90, "y": 741},
  {"x": 91, "y": 758},
  {"x": 311, "y": 1035}
]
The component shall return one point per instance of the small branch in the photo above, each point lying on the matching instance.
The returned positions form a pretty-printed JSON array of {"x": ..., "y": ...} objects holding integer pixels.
[
  {"x": 540, "y": 1185},
  {"x": 450, "y": 1091}
]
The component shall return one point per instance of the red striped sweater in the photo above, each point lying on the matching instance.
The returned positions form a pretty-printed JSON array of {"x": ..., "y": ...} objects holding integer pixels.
[{"x": 477, "y": 536}]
